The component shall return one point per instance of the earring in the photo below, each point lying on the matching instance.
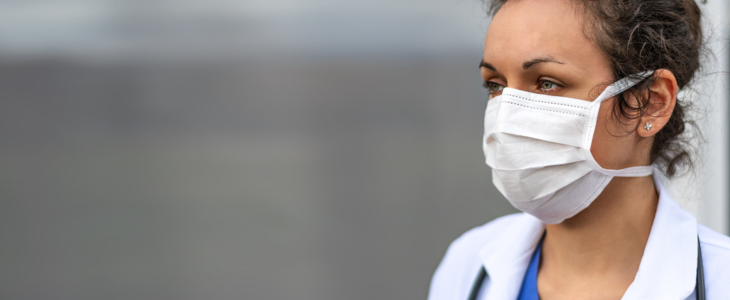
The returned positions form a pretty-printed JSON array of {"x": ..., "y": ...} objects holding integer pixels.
[{"x": 647, "y": 126}]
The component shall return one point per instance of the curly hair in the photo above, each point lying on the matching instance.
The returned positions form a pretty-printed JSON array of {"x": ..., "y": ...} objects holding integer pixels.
[{"x": 647, "y": 35}]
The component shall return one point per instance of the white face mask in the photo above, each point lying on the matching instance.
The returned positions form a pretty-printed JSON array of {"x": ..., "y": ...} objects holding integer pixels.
[{"x": 539, "y": 149}]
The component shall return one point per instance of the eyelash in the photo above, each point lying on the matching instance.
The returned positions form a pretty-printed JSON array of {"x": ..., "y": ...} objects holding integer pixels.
[
  {"x": 488, "y": 86},
  {"x": 543, "y": 81}
]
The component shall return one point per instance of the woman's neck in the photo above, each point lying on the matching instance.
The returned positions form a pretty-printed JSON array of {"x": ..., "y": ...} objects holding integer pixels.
[{"x": 600, "y": 248}]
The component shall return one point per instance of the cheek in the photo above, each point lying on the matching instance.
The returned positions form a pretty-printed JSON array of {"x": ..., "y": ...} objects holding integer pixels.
[{"x": 613, "y": 144}]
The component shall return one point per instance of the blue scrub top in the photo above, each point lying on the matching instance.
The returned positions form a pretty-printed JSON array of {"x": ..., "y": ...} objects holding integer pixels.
[{"x": 528, "y": 291}]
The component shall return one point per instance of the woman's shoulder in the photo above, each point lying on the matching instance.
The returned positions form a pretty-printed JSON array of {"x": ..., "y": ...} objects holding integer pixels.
[
  {"x": 715, "y": 260},
  {"x": 461, "y": 263},
  {"x": 715, "y": 246},
  {"x": 711, "y": 238}
]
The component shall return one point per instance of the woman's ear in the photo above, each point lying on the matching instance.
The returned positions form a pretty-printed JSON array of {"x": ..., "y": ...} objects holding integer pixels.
[{"x": 661, "y": 100}]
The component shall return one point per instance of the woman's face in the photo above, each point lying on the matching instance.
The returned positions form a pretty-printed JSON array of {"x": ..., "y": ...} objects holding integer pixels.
[{"x": 539, "y": 46}]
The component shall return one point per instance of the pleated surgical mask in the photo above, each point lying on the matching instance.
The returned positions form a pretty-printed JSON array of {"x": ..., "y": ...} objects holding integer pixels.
[{"x": 539, "y": 149}]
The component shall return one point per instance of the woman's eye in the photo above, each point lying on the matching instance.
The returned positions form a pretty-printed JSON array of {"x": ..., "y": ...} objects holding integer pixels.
[
  {"x": 493, "y": 87},
  {"x": 548, "y": 85}
]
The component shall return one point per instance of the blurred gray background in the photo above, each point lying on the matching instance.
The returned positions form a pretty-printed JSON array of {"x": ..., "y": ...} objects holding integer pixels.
[{"x": 256, "y": 149}]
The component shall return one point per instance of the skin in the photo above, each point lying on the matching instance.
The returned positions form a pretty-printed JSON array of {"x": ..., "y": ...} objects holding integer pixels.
[{"x": 540, "y": 46}]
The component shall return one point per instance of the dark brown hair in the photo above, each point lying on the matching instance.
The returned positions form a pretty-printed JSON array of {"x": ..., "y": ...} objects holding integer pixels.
[{"x": 647, "y": 35}]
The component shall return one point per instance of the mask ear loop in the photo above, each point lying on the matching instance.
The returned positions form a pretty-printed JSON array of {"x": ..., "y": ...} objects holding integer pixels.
[{"x": 612, "y": 90}]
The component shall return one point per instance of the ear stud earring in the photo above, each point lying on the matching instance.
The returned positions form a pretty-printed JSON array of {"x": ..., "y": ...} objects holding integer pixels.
[{"x": 647, "y": 126}]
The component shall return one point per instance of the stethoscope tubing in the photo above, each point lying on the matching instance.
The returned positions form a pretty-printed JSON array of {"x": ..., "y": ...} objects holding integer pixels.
[{"x": 700, "y": 285}]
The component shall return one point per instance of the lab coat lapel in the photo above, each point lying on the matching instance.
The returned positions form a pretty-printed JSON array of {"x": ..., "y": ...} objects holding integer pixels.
[
  {"x": 668, "y": 268},
  {"x": 507, "y": 256}
]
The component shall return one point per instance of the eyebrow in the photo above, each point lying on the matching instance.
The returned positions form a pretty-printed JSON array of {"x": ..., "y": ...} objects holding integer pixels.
[
  {"x": 526, "y": 65},
  {"x": 487, "y": 65}
]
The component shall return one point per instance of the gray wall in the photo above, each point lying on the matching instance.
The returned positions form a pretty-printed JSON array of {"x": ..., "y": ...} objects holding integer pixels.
[
  {"x": 223, "y": 175},
  {"x": 317, "y": 180}
]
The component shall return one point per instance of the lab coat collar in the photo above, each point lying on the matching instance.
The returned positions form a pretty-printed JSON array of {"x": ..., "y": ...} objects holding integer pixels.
[
  {"x": 667, "y": 269},
  {"x": 507, "y": 255}
]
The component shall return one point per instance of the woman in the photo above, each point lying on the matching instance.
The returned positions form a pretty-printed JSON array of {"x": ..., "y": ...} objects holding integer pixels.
[{"x": 583, "y": 102}]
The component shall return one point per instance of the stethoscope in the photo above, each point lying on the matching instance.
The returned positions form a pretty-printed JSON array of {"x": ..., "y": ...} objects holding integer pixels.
[{"x": 699, "y": 286}]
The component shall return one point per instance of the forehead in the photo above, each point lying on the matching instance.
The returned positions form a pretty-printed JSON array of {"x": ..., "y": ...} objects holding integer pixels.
[{"x": 524, "y": 29}]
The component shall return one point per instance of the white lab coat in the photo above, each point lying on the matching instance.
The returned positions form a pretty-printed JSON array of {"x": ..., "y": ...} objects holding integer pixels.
[{"x": 667, "y": 270}]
